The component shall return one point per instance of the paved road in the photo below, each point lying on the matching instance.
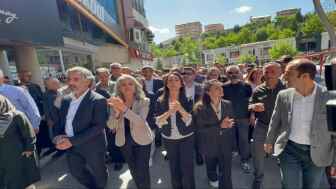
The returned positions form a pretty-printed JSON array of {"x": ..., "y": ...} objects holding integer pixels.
[{"x": 56, "y": 176}]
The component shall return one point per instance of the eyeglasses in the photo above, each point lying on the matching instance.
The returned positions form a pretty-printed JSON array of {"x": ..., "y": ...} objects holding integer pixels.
[
  {"x": 186, "y": 73},
  {"x": 232, "y": 72}
]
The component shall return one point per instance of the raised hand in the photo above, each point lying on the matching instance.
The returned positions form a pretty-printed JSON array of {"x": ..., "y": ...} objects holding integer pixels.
[{"x": 117, "y": 103}]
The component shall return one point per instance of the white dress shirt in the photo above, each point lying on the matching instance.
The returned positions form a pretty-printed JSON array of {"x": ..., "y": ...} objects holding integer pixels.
[
  {"x": 175, "y": 134},
  {"x": 74, "y": 104},
  {"x": 217, "y": 110},
  {"x": 190, "y": 92},
  {"x": 149, "y": 84},
  {"x": 303, "y": 108}
]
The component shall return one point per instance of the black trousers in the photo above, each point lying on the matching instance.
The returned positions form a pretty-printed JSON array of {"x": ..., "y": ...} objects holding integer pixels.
[
  {"x": 89, "y": 168},
  {"x": 114, "y": 151},
  {"x": 196, "y": 145},
  {"x": 221, "y": 162},
  {"x": 224, "y": 165},
  {"x": 137, "y": 158},
  {"x": 180, "y": 154},
  {"x": 43, "y": 137}
]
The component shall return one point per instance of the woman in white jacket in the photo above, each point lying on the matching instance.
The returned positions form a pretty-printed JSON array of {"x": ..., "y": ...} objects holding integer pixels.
[{"x": 129, "y": 109}]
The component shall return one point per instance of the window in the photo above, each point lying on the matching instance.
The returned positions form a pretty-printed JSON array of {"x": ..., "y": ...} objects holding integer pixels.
[{"x": 234, "y": 54}]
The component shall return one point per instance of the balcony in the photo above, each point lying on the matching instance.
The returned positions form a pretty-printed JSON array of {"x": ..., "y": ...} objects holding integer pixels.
[{"x": 140, "y": 18}]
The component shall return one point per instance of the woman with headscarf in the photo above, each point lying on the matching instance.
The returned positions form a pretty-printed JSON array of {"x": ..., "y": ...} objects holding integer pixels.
[{"x": 18, "y": 167}]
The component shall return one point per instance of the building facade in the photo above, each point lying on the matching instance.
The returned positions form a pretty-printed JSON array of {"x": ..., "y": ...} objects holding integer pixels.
[
  {"x": 62, "y": 34},
  {"x": 138, "y": 32},
  {"x": 259, "y": 49},
  {"x": 288, "y": 12},
  {"x": 193, "y": 29},
  {"x": 257, "y": 19},
  {"x": 214, "y": 28}
]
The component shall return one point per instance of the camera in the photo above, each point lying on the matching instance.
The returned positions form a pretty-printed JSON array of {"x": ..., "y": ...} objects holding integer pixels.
[{"x": 330, "y": 80}]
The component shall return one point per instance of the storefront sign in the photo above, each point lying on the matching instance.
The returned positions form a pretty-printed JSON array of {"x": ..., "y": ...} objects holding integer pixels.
[
  {"x": 136, "y": 53},
  {"x": 98, "y": 10},
  {"x": 36, "y": 22},
  {"x": 7, "y": 17}
]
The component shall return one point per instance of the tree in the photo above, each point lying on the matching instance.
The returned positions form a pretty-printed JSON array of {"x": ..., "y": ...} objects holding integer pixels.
[
  {"x": 159, "y": 65},
  {"x": 324, "y": 19},
  {"x": 247, "y": 58},
  {"x": 261, "y": 34},
  {"x": 245, "y": 35},
  {"x": 221, "y": 59},
  {"x": 312, "y": 25},
  {"x": 236, "y": 28},
  {"x": 282, "y": 48},
  {"x": 289, "y": 22},
  {"x": 286, "y": 33},
  {"x": 157, "y": 51},
  {"x": 209, "y": 43}
]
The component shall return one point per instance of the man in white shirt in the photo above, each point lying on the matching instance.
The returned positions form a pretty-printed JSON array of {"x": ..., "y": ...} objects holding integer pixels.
[
  {"x": 151, "y": 89},
  {"x": 80, "y": 130},
  {"x": 298, "y": 130}
]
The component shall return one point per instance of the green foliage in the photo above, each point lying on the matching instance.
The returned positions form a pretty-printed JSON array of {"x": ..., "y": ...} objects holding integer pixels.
[
  {"x": 159, "y": 65},
  {"x": 312, "y": 25},
  {"x": 282, "y": 48},
  {"x": 221, "y": 59},
  {"x": 279, "y": 28},
  {"x": 261, "y": 34},
  {"x": 243, "y": 59}
]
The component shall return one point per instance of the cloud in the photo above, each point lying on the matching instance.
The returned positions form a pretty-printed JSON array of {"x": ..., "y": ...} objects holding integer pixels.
[
  {"x": 159, "y": 30},
  {"x": 243, "y": 9}
]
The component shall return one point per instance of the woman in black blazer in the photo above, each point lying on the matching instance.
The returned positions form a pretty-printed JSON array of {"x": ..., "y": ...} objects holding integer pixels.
[
  {"x": 212, "y": 118},
  {"x": 174, "y": 119}
]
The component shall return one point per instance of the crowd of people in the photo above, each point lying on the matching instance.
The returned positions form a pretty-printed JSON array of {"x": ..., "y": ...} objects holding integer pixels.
[{"x": 197, "y": 114}]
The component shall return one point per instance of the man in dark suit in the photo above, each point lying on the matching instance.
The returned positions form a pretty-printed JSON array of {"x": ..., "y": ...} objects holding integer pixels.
[
  {"x": 80, "y": 130},
  {"x": 151, "y": 87},
  {"x": 36, "y": 93},
  {"x": 194, "y": 93}
]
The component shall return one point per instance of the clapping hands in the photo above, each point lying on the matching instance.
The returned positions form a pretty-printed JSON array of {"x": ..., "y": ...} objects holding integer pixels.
[
  {"x": 174, "y": 107},
  {"x": 227, "y": 123},
  {"x": 117, "y": 104}
]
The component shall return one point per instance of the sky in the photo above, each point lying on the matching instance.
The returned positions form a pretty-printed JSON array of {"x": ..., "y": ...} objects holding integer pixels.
[{"x": 163, "y": 15}]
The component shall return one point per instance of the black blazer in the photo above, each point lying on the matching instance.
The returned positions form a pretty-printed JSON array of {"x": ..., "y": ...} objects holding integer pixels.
[
  {"x": 157, "y": 85},
  {"x": 88, "y": 124},
  {"x": 163, "y": 106},
  {"x": 207, "y": 125},
  {"x": 198, "y": 93}
]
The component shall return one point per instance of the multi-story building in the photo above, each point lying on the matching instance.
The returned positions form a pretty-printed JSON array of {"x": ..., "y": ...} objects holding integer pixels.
[
  {"x": 267, "y": 18},
  {"x": 288, "y": 12},
  {"x": 232, "y": 53},
  {"x": 193, "y": 29},
  {"x": 214, "y": 28},
  {"x": 139, "y": 34},
  {"x": 61, "y": 34}
]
